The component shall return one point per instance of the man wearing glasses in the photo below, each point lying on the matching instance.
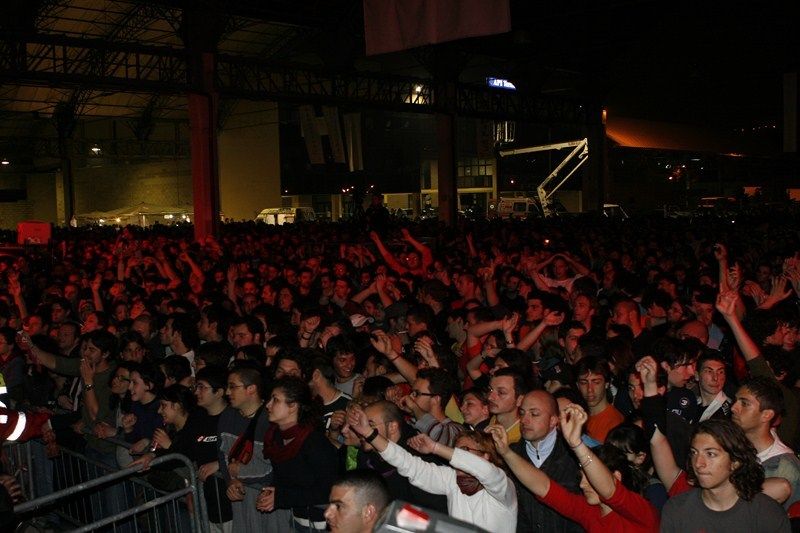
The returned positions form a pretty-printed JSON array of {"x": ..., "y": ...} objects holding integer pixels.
[{"x": 431, "y": 391}]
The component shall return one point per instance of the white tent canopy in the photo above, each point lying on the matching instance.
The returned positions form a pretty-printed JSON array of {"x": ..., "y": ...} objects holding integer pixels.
[{"x": 143, "y": 214}]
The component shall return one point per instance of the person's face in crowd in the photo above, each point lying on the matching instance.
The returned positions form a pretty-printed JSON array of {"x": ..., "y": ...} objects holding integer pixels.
[
  {"x": 421, "y": 394},
  {"x": 290, "y": 275},
  {"x": 66, "y": 338},
  {"x": 33, "y": 325},
  {"x": 635, "y": 389},
  {"x": 789, "y": 337},
  {"x": 132, "y": 351},
  {"x": 341, "y": 290},
  {"x": 763, "y": 274},
  {"x": 5, "y": 346},
  {"x": 667, "y": 286},
  {"x": 627, "y": 262},
  {"x": 343, "y": 365},
  {"x": 249, "y": 302},
  {"x": 705, "y": 312},
  {"x": 57, "y": 314},
  {"x": 205, "y": 329},
  {"x": 502, "y": 396},
  {"x": 535, "y": 311},
  {"x": 536, "y": 416},
  {"x": 468, "y": 444},
  {"x": 571, "y": 341},
  {"x": 285, "y": 300},
  {"x": 142, "y": 327},
  {"x": 456, "y": 329},
  {"x": 306, "y": 280},
  {"x": 171, "y": 412},
  {"x": 90, "y": 324},
  {"x": 241, "y": 336},
  {"x": 71, "y": 292},
  {"x": 371, "y": 369},
  {"x": 313, "y": 264},
  {"x": 121, "y": 382},
  {"x": 376, "y": 421},
  {"x": 583, "y": 308},
  {"x": 92, "y": 353},
  {"x": 138, "y": 387},
  {"x": 473, "y": 409},
  {"x": 680, "y": 374},
  {"x": 345, "y": 513},
  {"x": 413, "y": 261},
  {"x": 250, "y": 287},
  {"x": 490, "y": 347},
  {"x": 287, "y": 367},
  {"x": 165, "y": 333},
  {"x": 280, "y": 411},
  {"x": 465, "y": 287},
  {"x": 237, "y": 391},
  {"x": 206, "y": 396},
  {"x": 746, "y": 411},
  {"x": 326, "y": 284},
  {"x": 711, "y": 464},
  {"x": 268, "y": 295},
  {"x": 120, "y": 312},
  {"x": 414, "y": 326},
  {"x": 374, "y": 310},
  {"x": 560, "y": 268},
  {"x": 593, "y": 389},
  {"x": 85, "y": 308},
  {"x": 711, "y": 377},
  {"x": 621, "y": 316},
  {"x": 675, "y": 312}
]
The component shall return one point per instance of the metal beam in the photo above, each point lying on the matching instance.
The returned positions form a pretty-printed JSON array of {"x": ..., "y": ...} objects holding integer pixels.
[{"x": 62, "y": 61}]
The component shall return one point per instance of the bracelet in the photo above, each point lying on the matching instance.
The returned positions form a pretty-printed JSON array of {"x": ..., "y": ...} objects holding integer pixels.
[
  {"x": 435, "y": 444},
  {"x": 589, "y": 459},
  {"x": 305, "y": 337},
  {"x": 371, "y": 437},
  {"x": 577, "y": 445},
  {"x": 395, "y": 359}
]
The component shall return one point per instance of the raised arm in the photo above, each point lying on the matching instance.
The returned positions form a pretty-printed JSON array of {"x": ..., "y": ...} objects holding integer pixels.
[
  {"x": 424, "y": 251},
  {"x": 390, "y": 259},
  {"x": 553, "y": 318},
  {"x": 573, "y": 418},
  {"x": 534, "y": 479},
  {"x": 726, "y": 305}
]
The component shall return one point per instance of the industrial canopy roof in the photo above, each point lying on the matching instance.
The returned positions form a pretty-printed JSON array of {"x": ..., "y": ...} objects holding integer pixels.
[{"x": 682, "y": 60}]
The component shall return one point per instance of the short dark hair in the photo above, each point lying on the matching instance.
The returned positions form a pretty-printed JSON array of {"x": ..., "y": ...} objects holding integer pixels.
[
  {"x": 768, "y": 393},
  {"x": 593, "y": 365},
  {"x": 215, "y": 376},
  {"x": 187, "y": 327},
  {"x": 176, "y": 367},
  {"x": 181, "y": 395},
  {"x": 369, "y": 488},
  {"x": 442, "y": 383},
  {"x": 325, "y": 367},
  {"x": 520, "y": 386},
  {"x": 103, "y": 340},
  {"x": 215, "y": 353}
]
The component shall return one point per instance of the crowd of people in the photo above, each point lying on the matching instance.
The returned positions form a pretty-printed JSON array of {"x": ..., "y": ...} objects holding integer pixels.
[{"x": 560, "y": 375}]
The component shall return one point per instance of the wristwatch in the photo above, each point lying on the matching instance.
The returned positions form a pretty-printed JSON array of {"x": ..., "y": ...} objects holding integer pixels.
[{"x": 88, "y": 386}]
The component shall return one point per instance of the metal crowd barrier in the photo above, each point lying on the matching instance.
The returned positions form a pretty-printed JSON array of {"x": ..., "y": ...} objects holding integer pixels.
[{"x": 78, "y": 493}]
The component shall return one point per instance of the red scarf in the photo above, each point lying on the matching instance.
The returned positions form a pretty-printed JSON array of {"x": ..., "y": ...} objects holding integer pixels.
[{"x": 278, "y": 452}]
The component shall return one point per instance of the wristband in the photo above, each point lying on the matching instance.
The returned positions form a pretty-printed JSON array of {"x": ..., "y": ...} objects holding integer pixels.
[
  {"x": 576, "y": 446},
  {"x": 371, "y": 437}
]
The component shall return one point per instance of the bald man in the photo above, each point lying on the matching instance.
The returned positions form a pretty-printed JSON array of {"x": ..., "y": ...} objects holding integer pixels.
[{"x": 543, "y": 446}]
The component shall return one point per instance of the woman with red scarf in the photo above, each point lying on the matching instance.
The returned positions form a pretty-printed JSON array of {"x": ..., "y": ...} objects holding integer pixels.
[{"x": 304, "y": 461}]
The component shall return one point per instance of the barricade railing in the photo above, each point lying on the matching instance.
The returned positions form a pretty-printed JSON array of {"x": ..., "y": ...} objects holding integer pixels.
[{"x": 85, "y": 494}]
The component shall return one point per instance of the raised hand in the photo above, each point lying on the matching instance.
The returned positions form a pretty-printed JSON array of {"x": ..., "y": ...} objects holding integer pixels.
[
  {"x": 499, "y": 437},
  {"x": 553, "y": 318},
  {"x": 422, "y": 443},
  {"x": 726, "y": 303},
  {"x": 509, "y": 323},
  {"x": 572, "y": 419}
]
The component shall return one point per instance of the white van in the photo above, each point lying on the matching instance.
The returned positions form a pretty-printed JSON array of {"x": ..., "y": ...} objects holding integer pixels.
[
  {"x": 521, "y": 207},
  {"x": 286, "y": 215}
]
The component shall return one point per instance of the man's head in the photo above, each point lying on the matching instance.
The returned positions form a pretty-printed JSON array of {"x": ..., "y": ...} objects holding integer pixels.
[
  {"x": 583, "y": 308},
  {"x": 342, "y": 353},
  {"x": 246, "y": 331},
  {"x": 710, "y": 373},
  {"x": 245, "y": 387},
  {"x": 758, "y": 406},
  {"x": 506, "y": 389},
  {"x": 678, "y": 358},
  {"x": 387, "y": 418},
  {"x": 432, "y": 390},
  {"x": 626, "y": 313},
  {"x": 593, "y": 375},
  {"x": 538, "y": 415},
  {"x": 322, "y": 375},
  {"x": 357, "y": 502}
]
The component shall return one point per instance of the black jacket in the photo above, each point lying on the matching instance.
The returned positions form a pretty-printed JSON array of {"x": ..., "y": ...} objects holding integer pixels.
[{"x": 562, "y": 468}]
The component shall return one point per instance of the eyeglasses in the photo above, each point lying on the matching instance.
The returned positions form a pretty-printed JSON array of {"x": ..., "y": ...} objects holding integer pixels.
[
  {"x": 122, "y": 378},
  {"x": 416, "y": 394}
]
